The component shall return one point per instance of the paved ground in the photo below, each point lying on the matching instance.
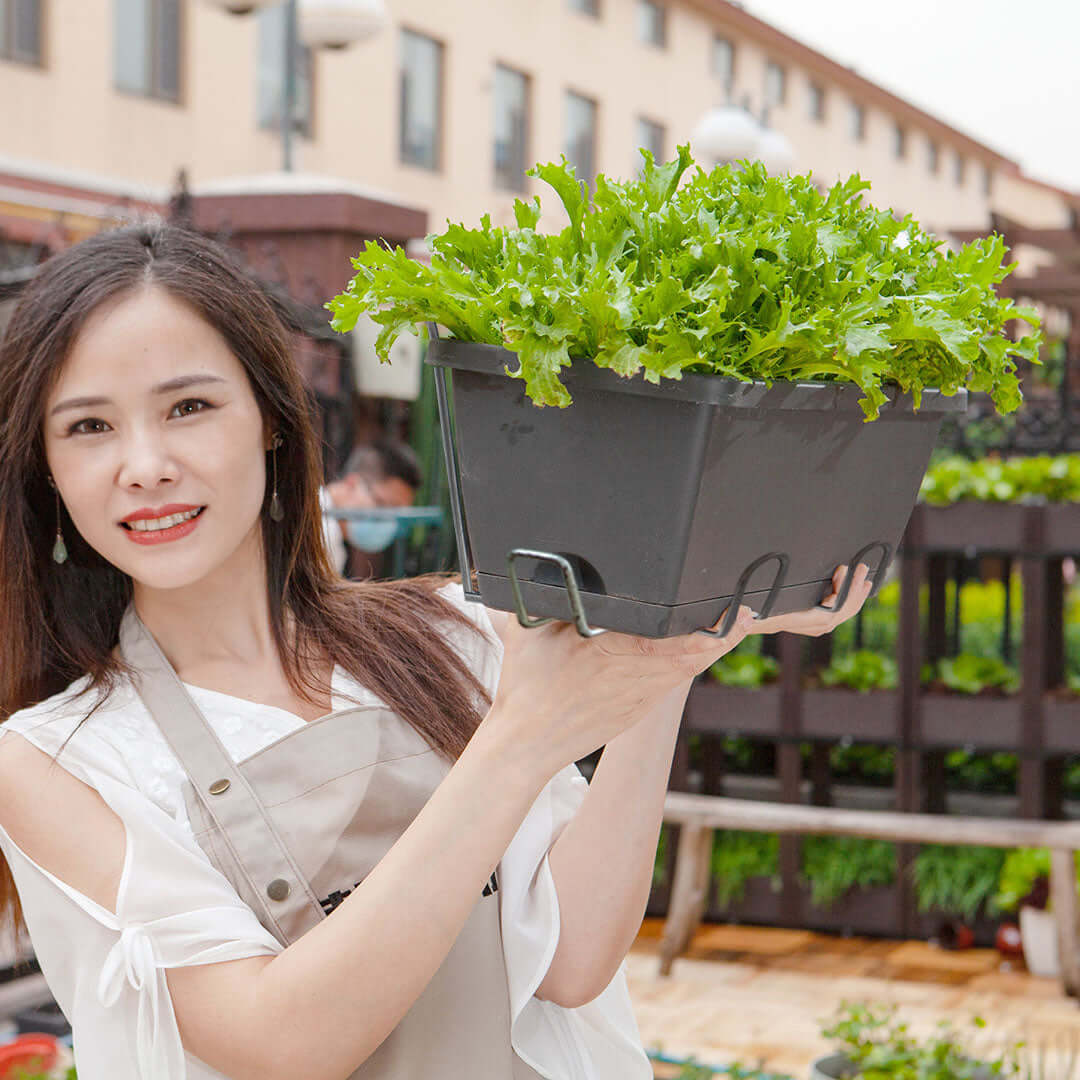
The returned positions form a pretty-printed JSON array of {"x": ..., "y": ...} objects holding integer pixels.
[{"x": 757, "y": 995}]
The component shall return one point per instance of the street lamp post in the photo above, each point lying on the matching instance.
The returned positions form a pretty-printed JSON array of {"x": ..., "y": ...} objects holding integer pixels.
[{"x": 330, "y": 24}]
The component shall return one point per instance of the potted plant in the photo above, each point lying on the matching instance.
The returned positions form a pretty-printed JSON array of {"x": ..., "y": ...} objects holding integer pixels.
[
  {"x": 990, "y": 715},
  {"x": 1025, "y": 885},
  {"x": 955, "y": 881},
  {"x": 855, "y": 694},
  {"x": 873, "y": 1042},
  {"x": 724, "y": 337}
]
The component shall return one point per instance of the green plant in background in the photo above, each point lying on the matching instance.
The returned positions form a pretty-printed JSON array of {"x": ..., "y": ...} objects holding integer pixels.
[
  {"x": 1023, "y": 870},
  {"x": 862, "y": 670},
  {"x": 659, "y": 877},
  {"x": 833, "y": 865},
  {"x": 880, "y": 621},
  {"x": 880, "y": 1047},
  {"x": 993, "y": 479},
  {"x": 968, "y": 674},
  {"x": 748, "y": 670},
  {"x": 739, "y": 856},
  {"x": 727, "y": 272},
  {"x": 865, "y": 761},
  {"x": 954, "y": 879},
  {"x": 971, "y": 770}
]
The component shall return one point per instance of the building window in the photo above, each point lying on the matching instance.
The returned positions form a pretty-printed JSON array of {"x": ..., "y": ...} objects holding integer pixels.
[
  {"x": 959, "y": 166},
  {"x": 987, "y": 180},
  {"x": 899, "y": 141},
  {"x": 652, "y": 23},
  {"x": 722, "y": 60},
  {"x": 511, "y": 127},
  {"x": 857, "y": 121},
  {"x": 147, "y": 42},
  {"x": 270, "y": 77},
  {"x": 580, "y": 125},
  {"x": 815, "y": 102},
  {"x": 933, "y": 156},
  {"x": 651, "y": 137},
  {"x": 20, "y": 31},
  {"x": 421, "y": 100},
  {"x": 586, "y": 7},
  {"x": 775, "y": 84}
]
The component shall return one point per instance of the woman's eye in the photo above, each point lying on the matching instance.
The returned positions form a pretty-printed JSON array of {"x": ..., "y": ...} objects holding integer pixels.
[
  {"x": 190, "y": 406},
  {"x": 90, "y": 426}
]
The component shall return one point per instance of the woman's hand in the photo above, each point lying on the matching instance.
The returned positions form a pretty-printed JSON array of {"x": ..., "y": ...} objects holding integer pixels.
[
  {"x": 815, "y": 622},
  {"x": 566, "y": 695}
]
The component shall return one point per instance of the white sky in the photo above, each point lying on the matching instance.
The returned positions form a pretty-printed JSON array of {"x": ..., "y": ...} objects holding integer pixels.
[{"x": 1006, "y": 72}]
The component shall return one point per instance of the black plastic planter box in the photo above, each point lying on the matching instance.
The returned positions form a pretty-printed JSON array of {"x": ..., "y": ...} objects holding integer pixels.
[{"x": 662, "y": 497}]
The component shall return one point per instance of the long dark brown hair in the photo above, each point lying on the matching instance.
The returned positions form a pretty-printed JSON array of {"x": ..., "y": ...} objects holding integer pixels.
[{"x": 59, "y": 623}]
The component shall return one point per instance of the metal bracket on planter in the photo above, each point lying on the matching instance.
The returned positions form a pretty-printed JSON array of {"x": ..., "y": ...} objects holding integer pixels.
[
  {"x": 453, "y": 473},
  {"x": 849, "y": 577},
  {"x": 740, "y": 591},
  {"x": 577, "y": 609}
]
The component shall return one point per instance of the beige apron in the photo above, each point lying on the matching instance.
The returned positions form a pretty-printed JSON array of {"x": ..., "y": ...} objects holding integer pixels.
[{"x": 297, "y": 826}]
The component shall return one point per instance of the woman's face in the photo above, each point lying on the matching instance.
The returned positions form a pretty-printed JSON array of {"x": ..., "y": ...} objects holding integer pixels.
[{"x": 156, "y": 444}]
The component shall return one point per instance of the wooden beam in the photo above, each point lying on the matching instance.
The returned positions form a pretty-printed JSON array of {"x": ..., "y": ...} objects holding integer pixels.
[{"x": 718, "y": 812}]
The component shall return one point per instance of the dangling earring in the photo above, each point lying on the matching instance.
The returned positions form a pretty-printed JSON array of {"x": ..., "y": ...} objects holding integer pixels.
[
  {"x": 59, "y": 551},
  {"x": 276, "y": 512}
]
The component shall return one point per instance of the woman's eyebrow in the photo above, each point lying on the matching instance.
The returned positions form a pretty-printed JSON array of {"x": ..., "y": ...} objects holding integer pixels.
[{"x": 181, "y": 382}]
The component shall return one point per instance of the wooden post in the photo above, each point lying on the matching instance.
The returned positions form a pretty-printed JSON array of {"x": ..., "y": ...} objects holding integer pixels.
[
  {"x": 908, "y": 780},
  {"x": 789, "y": 763},
  {"x": 1033, "y": 663},
  {"x": 1063, "y": 898},
  {"x": 689, "y": 893}
]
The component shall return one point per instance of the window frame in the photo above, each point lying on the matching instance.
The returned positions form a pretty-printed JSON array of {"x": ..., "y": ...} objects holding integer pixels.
[
  {"x": 717, "y": 39},
  {"x": 899, "y": 141},
  {"x": 151, "y": 88},
  {"x": 772, "y": 66},
  {"x": 659, "y": 153},
  {"x": 439, "y": 155},
  {"x": 591, "y": 9},
  {"x": 857, "y": 121},
  {"x": 568, "y": 93},
  {"x": 816, "y": 100},
  {"x": 959, "y": 169},
  {"x": 305, "y": 59},
  {"x": 522, "y": 183},
  {"x": 656, "y": 8},
  {"x": 10, "y": 52},
  {"x": 987, "y": 181},
  {"x": 933, "y": 157}
]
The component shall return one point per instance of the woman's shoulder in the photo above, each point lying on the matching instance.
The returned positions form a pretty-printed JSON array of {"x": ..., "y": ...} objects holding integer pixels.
[{"x": 78, "y": 708}]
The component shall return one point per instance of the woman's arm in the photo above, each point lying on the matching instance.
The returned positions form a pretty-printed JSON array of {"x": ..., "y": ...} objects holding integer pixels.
[{"x": 603, "y": 860}]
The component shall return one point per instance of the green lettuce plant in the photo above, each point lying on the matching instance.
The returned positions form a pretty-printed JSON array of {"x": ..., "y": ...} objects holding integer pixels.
[
  {"x": 833, "y": 865},
  {"x": 956, "y": 879},
  {"x": 969, "y": 674},
  {"x": 861, "y": 670},
  {"x": 879, "y": 1046},
  {"x": 955, "y": 479},
  {"x": 747, "y": 670},
  {"x": 737, "y": 857},
  {"x": 725, "y": 272}
]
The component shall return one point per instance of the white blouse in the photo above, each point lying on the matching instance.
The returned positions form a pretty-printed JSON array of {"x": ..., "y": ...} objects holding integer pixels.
[{"x": 174, "y": 908}]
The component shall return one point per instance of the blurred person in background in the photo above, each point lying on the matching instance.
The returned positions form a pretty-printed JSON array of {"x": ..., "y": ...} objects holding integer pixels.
[{"x": 383, "y": 475}]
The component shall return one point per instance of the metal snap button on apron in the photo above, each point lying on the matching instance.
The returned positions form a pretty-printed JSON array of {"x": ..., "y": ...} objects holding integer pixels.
[
  {"x": 219, "y": 787},
  {"x": 278, "y": 889}
]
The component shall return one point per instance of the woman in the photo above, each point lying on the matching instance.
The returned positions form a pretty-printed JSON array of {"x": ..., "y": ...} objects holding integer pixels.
[{"x": 248, "y": 744}]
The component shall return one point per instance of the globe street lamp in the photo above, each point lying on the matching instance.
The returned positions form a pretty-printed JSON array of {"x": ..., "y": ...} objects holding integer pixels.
[
  {"x": 329, "y": 24},
  {"x": 730, "y": 133}
]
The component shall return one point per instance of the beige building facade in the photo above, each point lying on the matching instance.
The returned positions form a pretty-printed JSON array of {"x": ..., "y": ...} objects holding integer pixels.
[{"x": 442, "y": 110}]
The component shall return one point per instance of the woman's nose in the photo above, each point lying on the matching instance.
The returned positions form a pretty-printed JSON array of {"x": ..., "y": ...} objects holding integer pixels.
[{"x": 146, "y": 462}]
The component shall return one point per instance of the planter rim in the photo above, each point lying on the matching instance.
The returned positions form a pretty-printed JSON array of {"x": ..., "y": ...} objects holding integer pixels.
[{"x": 702, "y": 389}]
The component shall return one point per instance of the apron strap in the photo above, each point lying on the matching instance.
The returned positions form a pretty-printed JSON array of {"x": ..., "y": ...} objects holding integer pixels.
[{"x": 219, "y": 785}]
